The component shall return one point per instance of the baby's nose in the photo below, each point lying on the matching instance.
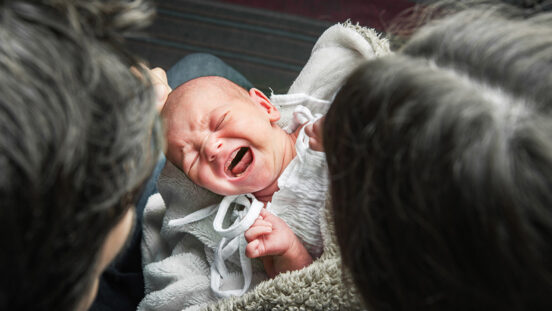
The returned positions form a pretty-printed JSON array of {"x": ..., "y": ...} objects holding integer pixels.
[{"x": 212, "y": 149}]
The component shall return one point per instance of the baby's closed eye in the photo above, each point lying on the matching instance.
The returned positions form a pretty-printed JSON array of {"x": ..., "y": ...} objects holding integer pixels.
[{"x": 220, "y": 121}]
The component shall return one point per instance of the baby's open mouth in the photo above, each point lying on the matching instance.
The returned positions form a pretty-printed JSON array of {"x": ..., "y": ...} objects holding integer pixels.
[{"x": 239, "y": 161}]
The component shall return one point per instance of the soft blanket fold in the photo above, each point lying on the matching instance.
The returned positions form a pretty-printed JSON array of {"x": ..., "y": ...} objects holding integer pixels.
[{"x": 176, "y": 263}]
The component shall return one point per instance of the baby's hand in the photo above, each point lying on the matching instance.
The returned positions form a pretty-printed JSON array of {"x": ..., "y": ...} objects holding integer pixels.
[
  {"x": 314, "y": 131},
  {"x": 271, "y": 236}
]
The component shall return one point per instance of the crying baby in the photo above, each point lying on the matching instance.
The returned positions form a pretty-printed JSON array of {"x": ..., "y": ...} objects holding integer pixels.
[{"x": 225, "y": 139}]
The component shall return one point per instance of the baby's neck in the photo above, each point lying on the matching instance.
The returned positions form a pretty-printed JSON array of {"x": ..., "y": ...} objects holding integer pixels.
[{"x": 265, "y": 195}]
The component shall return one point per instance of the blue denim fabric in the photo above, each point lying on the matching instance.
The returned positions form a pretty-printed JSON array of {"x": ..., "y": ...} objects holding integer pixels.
[{"x": 201, "y": 65}]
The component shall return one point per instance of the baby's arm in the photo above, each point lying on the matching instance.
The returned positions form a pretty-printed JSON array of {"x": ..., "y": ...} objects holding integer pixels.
[
  {"x": 314, "y": 131},
  {"x": 271, "y": 238}
]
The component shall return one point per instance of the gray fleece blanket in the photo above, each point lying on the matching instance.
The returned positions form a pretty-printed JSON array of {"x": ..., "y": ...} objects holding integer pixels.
[
  {"x": 320, "y": 286},
  {"x": 176, "y": 264}
]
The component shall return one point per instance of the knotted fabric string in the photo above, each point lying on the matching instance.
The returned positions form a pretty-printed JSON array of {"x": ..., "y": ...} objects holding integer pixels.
[{"x": 232, "y": 238}]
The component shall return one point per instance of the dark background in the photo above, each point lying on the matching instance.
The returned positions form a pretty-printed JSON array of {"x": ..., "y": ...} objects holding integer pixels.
[{"x": 267, "y": 41}]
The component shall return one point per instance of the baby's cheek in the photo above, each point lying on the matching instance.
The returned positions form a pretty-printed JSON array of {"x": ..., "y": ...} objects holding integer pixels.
[
  {"x": 208, "y": 180},
  {"x": 201, "y": 178}
]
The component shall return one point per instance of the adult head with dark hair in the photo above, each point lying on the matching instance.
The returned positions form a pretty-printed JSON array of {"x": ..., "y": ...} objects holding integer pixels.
[
  {"x": 78, "y": 137},
  {"x": 440, "y": 159}
]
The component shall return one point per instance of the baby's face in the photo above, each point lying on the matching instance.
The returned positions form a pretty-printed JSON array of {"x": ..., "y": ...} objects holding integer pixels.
[{"x": 227, "y": 144}]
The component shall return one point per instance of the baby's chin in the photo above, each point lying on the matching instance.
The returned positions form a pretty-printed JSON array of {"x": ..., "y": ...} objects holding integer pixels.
[
  {"x": 265, "y": 194},
  {"x": 237, "y": 191},
  {"x": 229, "y": 190},
  {"x": 261, "y": 186}
]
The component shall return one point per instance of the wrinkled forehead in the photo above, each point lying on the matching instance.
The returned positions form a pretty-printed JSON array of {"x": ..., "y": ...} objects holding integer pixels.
[
  {"x": 186, "y": 114},
  {"x": 189, "y": 105},
  {"x": 192, "y": 100},
  {"x": 200, "y": 95}
]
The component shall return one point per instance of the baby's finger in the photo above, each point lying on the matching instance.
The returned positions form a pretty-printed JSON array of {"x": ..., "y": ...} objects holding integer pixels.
[
  {"x": 255, "y": 232},
  {"x": 262, "y": 222},
  {"x": 265, "y": 213},
  {"x": 253, "y": 249},
  {"x": 276, "y": 222}
]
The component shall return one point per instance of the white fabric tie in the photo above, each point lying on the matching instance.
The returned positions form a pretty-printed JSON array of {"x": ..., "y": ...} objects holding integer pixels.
[{"x": 233, "y": 238}]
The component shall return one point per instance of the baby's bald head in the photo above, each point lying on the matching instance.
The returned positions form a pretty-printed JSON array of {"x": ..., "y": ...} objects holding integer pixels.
[{"x": 196, "y": 90}]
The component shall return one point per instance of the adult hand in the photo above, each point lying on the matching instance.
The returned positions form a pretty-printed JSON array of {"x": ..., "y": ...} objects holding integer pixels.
[
  {"x": 314, "y": 131},
  {"x": 161, "y": 86},
  {"x": 158, "y": 78}
]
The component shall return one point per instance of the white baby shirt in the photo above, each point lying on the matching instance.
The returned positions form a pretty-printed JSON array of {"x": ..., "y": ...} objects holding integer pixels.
[{"x": 303, "y": 186}]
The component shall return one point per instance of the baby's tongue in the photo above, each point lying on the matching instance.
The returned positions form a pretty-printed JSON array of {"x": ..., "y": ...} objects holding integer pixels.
[{"x": 243, "y": 164}]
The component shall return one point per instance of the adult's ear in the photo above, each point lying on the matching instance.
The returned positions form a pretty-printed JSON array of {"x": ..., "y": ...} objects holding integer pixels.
[{"x": 260, "y": 98}]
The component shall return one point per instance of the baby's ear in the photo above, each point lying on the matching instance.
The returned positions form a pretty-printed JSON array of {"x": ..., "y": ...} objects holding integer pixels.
[{"x": 261, "y": 99}]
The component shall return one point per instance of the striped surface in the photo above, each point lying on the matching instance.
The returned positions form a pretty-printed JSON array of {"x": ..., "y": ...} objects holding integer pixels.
[
  {"x": 269, "y": 48},
  {"x": 372, "y": 13}
]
